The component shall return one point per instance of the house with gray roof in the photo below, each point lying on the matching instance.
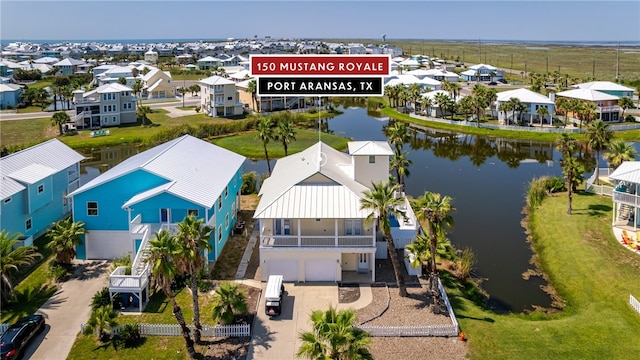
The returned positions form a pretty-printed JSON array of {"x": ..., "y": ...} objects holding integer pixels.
[
  {"x": 34, "y": 183},
  {"x": 111, "y": 104},
  {"x": 71, "y": 66}
]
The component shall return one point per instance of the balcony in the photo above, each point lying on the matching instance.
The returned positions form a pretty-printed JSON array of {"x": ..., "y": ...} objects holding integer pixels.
[
  {"x": 608, "y": 109},
  {"x": 119, "y": 282},
  {"x": 626, "y": 198},
  {"x": 317, "y": 241}
]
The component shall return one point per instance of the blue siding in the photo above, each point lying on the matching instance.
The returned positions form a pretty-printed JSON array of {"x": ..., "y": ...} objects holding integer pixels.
[
  {"x": 81, "y": 250},
  {"x": 110, "y": 197},
  {"x": 228, "y": 203},
  {"x": 150, "y": 208}
]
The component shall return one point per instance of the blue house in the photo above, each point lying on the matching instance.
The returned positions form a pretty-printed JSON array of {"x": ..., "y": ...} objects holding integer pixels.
[
  {"x": 10, "y": 95},
  {"x": 152, "y": 191},
  {"x": 34, "y": 184}
]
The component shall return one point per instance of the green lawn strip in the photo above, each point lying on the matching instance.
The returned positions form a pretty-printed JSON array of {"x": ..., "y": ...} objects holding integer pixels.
[
  {"x": 590, "y": 271},
  {"x": 29, "y": 109},
  {"x": 248, "y": 145},
  {"x": 151, "y": 347},
  {"x": 18, "y": 132}
]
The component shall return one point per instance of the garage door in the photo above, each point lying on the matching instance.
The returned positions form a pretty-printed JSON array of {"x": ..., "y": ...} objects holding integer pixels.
[
  {"x": 320, "y": 270},
  {"x": 287, "y": 268},
  {"x": 108, "y": 244}
]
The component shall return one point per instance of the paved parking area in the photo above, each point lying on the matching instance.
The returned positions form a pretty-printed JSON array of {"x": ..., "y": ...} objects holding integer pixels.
[{"x": 277, "y": 338}]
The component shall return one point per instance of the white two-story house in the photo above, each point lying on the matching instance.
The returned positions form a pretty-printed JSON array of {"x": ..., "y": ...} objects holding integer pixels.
[
  {"x": 312, "y": 227},
  {"x": 107, "y": 105},
  {"x": 219, "y": 97}
]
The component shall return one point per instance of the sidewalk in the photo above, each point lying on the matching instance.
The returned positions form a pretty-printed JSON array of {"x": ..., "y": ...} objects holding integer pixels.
[{"x": 66, "y": 310}]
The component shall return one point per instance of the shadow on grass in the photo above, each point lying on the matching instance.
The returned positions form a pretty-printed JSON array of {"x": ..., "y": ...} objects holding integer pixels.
[
  {"x": 158, "y": 302},
  {"x": 28, "y": 301}
]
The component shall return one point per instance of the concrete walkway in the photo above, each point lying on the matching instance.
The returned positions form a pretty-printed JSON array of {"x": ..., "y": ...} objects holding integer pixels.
[{"x": 66, "y": 310}]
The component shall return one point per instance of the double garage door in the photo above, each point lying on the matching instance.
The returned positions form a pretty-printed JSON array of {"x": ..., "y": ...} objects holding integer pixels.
[{"x": 314, "y": 270}]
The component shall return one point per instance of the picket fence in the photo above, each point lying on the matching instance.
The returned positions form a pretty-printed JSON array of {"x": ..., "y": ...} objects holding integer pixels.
[
  {"x": 235, "y": 330},
  {"x": 634, "y": 303}
]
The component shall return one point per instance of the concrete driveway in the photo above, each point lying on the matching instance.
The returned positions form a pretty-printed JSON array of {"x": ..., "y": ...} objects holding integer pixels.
[
  {"x": 277, "y": 338},
  {"x": 66, "y": 310}
]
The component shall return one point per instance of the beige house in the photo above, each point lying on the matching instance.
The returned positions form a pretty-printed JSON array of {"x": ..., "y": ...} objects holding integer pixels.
[
  {"x": 219, "y": 97},
  {"x": 107, "y": 105},
  {"x": 311, "y": 224},
  {"x": 157, "y": 85}
]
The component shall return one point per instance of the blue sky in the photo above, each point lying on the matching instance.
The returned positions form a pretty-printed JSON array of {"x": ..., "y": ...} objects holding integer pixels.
[{"x": 146, "y": 19}]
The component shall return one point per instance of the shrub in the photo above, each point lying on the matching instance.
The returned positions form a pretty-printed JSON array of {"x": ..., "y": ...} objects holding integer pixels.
[
  {"x": 101, "y": 298},
  {"x": 249, "y": 183},
  {"x": 630, "y": 118},
  {"x": 465, "y": 263},
  {"x": 313, "y": 110},
  {"x": 124, "y": 260},
  {"x": 537, "y": 191},
  {"x": 555, "y": 184},
  {"x": 129, "y": 336},
  {"x": 204, "y": 286},
  {"x": 57, "y": 272}
]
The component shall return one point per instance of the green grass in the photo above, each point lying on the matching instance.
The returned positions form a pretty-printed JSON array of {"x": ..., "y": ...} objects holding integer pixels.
[
  {"x": 151, "y": 347},
  {"x": 34, "y": 287},
  {"x": 591, "y": 272},
  {"x": 32, "y": 131},
  {"x": 29, "y": 109},
  {"x": 247, "y": 144}
]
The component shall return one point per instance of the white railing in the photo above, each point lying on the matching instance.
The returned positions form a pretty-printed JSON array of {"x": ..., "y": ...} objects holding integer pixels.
[
  {"x": 625, "y": 198},
  {"x": 599, "y": 189},
  {"x": 634, "y": 303},
  {"x": 235, "y": 330},
  {"x": 118, "y": 279},
  {"x": 452, "y": 315},
  {"x": 171, "y": 228},
  {"x": 4, "y": 327},
  {"x": 316, "y": 241},
  {"x": 140, "y": 255},
  {"x": 614, "y": 108}
]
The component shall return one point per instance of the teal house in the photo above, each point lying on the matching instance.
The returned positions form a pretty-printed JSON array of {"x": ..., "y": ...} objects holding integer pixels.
[
  {"x": 34, "y": 184},
  {"x": 152, "y": 191}
]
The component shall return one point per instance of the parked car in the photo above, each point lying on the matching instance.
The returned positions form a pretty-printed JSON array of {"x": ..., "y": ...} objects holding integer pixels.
[
  {"x": 493, "y": 83},
  {"x": 503, "y": 81},
  {"x": 18, "y": 335}
]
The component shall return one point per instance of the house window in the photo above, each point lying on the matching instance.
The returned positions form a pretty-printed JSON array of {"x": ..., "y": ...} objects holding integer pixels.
[
  {"x": 114, "y": 119},
  {"x": 40, "y": 189},
  {"x": 235, "y": 181},
  {"x": 193, "y": 212},
  {"x": 104, "y": 108},
  {"x": 28, "y": 224},
  {"x": 226, "y": 221},
  {"x": 7, "y": 200},
  {"x": 353, "y": 226},
  {"x": 226, "y": 192},
  {"x": 92, "y": 208},
  {"x": 283, "y": 226},
  {"x": 219, "y": 202},
  {"x": 372, "y": 159},
  {"x": 219, "y": 233},
  {"x": 233, "y": 208}
]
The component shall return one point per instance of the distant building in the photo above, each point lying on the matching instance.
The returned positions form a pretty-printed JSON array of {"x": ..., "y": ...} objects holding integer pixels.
[
  {"x": 482, "y": 72},
  {"x": 607, "y": 87},
  {"x": 219, "y": 97},
  {"x": 10, "y": 95},
  {"x": 607, "y": 108}
]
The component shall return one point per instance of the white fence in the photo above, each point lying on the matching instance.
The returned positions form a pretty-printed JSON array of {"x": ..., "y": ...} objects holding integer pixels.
[
  {"x": 3, "y": 328},
  {"x": 426, "y": 330},
  {"x": 235, "y": 330},
  {"x": 591, "y": 187},
  {"x": 634, "y": 303}
]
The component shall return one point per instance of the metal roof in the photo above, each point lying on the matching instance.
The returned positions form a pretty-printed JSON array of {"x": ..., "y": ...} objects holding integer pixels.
[
  {"x": 587, "y": 94},
  {"x": 628, "y": 171},
  {"x": 216, "y": 80},
  {"x": 369, "y": 148},
  {"x": 602, "y": 85},
  {"x": 33, "y": 173},
  {"x": 200, "y": 170},
  {"x": 52, "y": 154},
  {"x": 524, "y": 95}
]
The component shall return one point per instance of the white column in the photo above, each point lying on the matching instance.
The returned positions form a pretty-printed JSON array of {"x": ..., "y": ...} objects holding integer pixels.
[
  {"x": 335, "y": 231},
  {"x": 299, "y": 234},
  {"x": 373, "y": 267}
]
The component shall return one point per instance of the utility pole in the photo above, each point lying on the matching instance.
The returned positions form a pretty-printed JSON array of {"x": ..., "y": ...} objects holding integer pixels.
[
  {"x": 511, "y": 67},
  {"x": 479, "y": 52},
  {"x": 593, "y": 70},
  {"x": 525, "y": 68},
  {"x": 618, "y": 62}
]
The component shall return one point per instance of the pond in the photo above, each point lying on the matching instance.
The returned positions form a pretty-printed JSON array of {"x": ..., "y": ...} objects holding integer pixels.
[{"x": 486, "y": 177}]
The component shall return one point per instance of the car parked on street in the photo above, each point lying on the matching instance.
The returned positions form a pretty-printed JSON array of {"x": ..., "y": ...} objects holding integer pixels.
[{"x": 18, "y": 335}]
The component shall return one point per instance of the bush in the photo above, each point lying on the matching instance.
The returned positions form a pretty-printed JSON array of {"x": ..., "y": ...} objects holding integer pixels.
[
  {"x": 124, "y": 260},
  {"x": 628, "y": 118},
  {"x": 537, "y": 191},
  {"x": 129, "y": 336},
  {"x": 555, "y": 184},
  {"x": 249, "y": 183},
  {"x": 465, "y": 263},
  {"x": 204, "y": 286},
  {"x": 57, "y": 272},
  {"x": 100, "y": 299}
]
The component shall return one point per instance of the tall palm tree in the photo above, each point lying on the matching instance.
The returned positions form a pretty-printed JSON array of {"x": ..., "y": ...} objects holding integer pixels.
[
  {"x": 285, "y": 133},
  {"x": 333, "y": 336},
  {"x": 588, "y": 113},
  {"x": 619, "y": 152},
  {"x": 164, "y": 250},
  {"x": 65, "y": 236},
  {"x": 142, "y": 114},
  {"x": 252, "y": 88},
  {"x": 228, "y": 302},
  {"x": 382, "y": 202},
  {"x": 441, "y": 100},
  {"x": 58, "y": 119},
  {"x": 625, "y": 103},
  {"x": 465, "y": 105},
  {"x": 265, "y": 134},
  {"x": 436, "y": 210},
  {"x": 400, "y": 164},
  {"x": 194, "y": 237},
  {"x": 55, "y": 90},
  {"x": 13, "y": 257},
  {"x": 599, "y": 136},
  {"x": 455, "y": 88},
  {"x": 102, "y": 321},
  {"x": 503, "y": 108},
  {"x": 514, "y": 105},
  {"x": 421, "y": 250},
  {"x": 398, "y": 134},
  {"x": 137, "y": 89},
  {"x": 182, "y": 91},
  {"x": 567, "y": 146},
  {"x": 542, "y": 111},
  {"x": 562, "y": 106}
]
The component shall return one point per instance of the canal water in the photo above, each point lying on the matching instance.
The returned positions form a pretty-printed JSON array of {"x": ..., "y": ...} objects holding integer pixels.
[{"x": 486, "y": 177}]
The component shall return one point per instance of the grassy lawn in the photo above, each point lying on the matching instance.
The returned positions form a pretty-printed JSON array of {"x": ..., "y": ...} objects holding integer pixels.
[
  {"x": 34, "y": 287},
  {"x": 31, "y": 131},
  {"x": 29, "y": 109},
  {"x": 152, "y": 347},
  {"x": 590, "y": 271},
  {"x": 247, "y": 144}
]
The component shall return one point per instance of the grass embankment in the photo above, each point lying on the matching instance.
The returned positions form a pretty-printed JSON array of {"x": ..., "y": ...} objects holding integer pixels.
[
  {"x": 589, "y": 270},
  {"x": 628, "y": 135},
  {"x": 34, "y": 287}
]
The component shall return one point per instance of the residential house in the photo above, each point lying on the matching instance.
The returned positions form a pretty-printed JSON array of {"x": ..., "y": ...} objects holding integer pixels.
[
  {"x": 312, "y": 226},
  {"x": 531, "y": 100},
  {"x": 151, "y": 57},
  {"x": 482, "y": 72},
  {"x": 107, "y": 105},
  {"x": 157, "y": 85},
  {"x": 34, "y": 184},
  {"x": 607, "y": 87},
  {"x": 10, "y": 95},
  {"x": 267, "y": 103},
  {"x": 607, "y": 108},
  {"x": 113, "y": 75},
  {"x": 356, "y": 49},
  {"x": 626, "y": 200},
  {"x": 71, "y": 66},
  {"x": 208, "y": 62},
  {"x": 152, "y": 191},
  {"x": 219, "y": 97}
]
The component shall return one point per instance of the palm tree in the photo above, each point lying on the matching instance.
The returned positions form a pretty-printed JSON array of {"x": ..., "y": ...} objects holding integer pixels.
[
  {"x": 400, "y": 164},
  {"x": 58, "y": 119},
  {"x": 562, "y": 106},
  {"x": 413, "y": 93},
  {"x": 599, "y": 136},
  {"x": 55, "y": 90},
  {"x": 182, "y": 91},
  {"x": 194, "y": 238},
  {"x": 101, "y": 322},
  {"x": 252, "y": 88},
  {"x": 465, "y": 105},
  {"x": 137, "y": 89},
  {"x": 381, "y": 201},
  {"x": 619, "y": 152},
  {"x": 265, "y": 134},
  {"x": 398, "y": 134},
  {"x": 455, "y": 88},
  {"x": 67, "y": 94},
  {"x": 11, "y": 258},
  {"x": 436, "y": 210},
  {"x": 228, "y": 302},
  {"x": 567, "y": 146},
  {"x": 542, "y": 111},
  {"x": 285, "y": 133},
  {"x": 65, "y": 236},
  {"x": 588, "y": 113},
  {"x": 164, "y": 250},
  {"x": 503, "y": 108},
  {"x": 142, "y": 114},
  {"x": 441, "y": 100},
  {"x": 333, "y": 336},
  {"x": 421, "y": 250},
  {"x": 625, "y": 103},
  {"x": 514, "y": 105}
]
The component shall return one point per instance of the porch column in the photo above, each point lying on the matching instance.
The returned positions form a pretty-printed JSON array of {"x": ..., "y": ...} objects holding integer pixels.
[
  {"x": 373, "y": 229},
  {"x": 373, "y": 267},
  {"x": 299, "y": 237},
  {"x": 335, "y": 231},
  {"x": 613, "y": 220}
]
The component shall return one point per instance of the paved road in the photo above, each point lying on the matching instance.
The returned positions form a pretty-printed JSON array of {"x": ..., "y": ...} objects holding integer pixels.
[{"x": 66, "y": 310}]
